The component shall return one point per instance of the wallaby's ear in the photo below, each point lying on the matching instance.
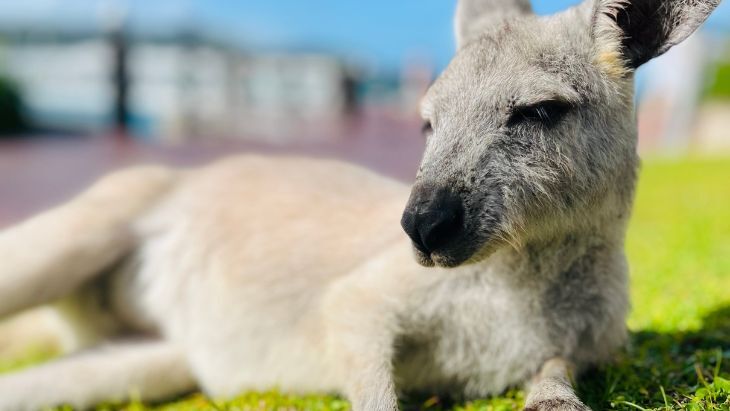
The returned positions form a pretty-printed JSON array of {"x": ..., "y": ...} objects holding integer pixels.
[
  {"x": 632, "y": 32},
  {"x": 475, "y": 16}
]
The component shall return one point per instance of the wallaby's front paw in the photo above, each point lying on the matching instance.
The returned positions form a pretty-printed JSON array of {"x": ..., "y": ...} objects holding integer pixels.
[{"x": 556, "y": 404}]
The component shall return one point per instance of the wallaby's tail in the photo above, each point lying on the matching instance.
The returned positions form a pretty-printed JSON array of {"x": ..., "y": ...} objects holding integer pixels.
[{"x": 53, "y": 254}]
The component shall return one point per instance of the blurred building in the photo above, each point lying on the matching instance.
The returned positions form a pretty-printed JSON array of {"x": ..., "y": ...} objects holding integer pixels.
[
  {"x": 64, "y": 81},
  {"x": 179, "y": 87}
]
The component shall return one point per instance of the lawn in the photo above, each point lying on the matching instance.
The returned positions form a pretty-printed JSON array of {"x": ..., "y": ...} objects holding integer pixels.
[{"x": 679, "y": 354}]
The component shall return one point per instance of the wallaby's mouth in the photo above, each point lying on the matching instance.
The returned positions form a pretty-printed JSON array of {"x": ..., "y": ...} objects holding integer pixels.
[
  {"x": 437, "y": 260},
  {"x": 459, "y": 254}
]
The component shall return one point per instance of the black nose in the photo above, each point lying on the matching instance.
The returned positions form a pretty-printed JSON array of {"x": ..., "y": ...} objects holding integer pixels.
[{"x": 434, "y": 218}]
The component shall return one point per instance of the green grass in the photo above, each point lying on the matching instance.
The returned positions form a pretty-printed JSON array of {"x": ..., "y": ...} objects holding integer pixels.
[
  {"x": 679, "y": 354},
  {"x": 719, "y": 84}
]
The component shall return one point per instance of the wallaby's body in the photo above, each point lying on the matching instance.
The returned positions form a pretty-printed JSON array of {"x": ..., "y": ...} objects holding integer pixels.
[
  {"x": 246, "y": 301},
  {"x": 258, "y": 273}
]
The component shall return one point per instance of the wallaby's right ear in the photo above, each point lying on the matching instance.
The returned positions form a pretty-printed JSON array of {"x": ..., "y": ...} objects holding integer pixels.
[
  {"x": 629, "y": 33},
  {"x": 475, "y": 16}
]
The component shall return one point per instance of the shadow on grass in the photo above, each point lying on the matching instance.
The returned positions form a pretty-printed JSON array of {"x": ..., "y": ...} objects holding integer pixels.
[{"x": 666, "y": 370}]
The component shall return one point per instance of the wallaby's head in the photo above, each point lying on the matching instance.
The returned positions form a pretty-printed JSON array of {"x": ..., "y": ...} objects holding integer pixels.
[{"x": 531, "y": 129}]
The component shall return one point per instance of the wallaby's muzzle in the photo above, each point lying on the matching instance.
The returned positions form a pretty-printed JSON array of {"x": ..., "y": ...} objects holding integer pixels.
[{"x": 433, "y": 219}]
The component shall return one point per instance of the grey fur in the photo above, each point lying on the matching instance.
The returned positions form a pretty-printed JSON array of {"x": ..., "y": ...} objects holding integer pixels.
[{"x": 312, "y": 287}]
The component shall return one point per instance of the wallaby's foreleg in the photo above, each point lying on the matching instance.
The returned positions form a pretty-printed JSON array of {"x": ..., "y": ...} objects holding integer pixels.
[
  {"x": 146, "y": 370},
  {"x": 370, "y": 383},
  {"x": 50, "y": 255},
  {"x": 552, "y": 389},
  {"x": 362, "y": 327}
]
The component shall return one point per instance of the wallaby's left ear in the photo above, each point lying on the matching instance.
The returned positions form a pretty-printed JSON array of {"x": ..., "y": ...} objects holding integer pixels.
[
  {"x": 632, "y": 32},
  {"x": 475, "y": 16}
]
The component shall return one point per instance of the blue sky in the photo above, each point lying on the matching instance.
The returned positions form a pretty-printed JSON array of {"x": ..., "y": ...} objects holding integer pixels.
[{"x": 378, "y": 32}]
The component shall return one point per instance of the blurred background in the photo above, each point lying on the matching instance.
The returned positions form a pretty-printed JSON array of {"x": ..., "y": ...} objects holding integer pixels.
[{"x": 89, "y": 85}]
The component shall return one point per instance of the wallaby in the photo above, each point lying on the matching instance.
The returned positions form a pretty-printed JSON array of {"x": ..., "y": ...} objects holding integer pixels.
[{"x": 255, "y": 273}]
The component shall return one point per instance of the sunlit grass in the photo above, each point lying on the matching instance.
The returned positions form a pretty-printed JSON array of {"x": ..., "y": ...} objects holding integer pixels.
[{"x": 679, "y": 355}]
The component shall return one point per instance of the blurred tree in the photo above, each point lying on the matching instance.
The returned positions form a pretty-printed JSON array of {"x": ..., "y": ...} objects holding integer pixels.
[
  {"x": 11, "y": 108},
  {"x": 720, "y": 83}
]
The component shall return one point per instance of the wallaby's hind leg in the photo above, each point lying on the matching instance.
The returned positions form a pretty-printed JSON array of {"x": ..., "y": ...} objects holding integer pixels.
[
  {"x": 50, "y": 255},
  {"x": 41, "y": 330},
  {"x": 147, "y": 370}
]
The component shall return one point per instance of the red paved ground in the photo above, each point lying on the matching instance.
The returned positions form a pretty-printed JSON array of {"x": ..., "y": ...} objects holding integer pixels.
[{"x": 38, "y": 173}]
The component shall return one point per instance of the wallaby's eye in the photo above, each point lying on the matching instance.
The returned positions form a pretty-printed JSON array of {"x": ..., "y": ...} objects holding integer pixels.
[
  {"x": 426, "y": 128},
  {"x": 547, "y": 113}
]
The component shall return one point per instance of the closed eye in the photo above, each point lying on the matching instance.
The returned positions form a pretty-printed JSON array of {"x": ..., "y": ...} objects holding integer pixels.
[{"x": 547, "y": 113}]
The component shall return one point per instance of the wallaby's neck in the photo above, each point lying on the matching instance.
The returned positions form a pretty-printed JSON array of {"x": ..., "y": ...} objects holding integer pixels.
[{"x": 546, "y": 260}]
